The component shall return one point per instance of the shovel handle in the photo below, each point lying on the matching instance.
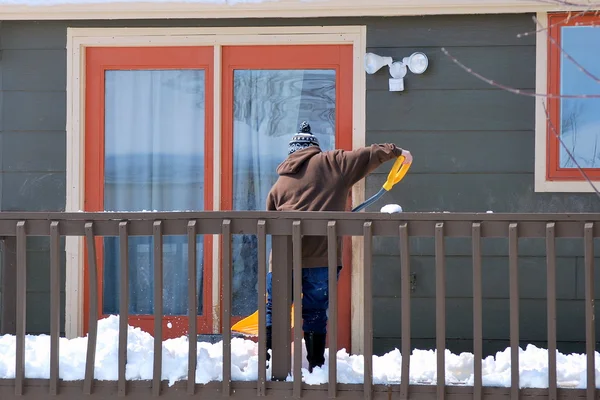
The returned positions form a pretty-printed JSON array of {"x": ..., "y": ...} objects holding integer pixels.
[{"x": 396, "y": 173}]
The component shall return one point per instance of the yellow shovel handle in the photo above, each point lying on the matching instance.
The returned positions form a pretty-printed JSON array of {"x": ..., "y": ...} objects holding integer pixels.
[{"x": 397, "y": 173}]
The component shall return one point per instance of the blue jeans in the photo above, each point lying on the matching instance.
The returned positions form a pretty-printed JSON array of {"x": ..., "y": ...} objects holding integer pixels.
[{"x": 315, "y": 298}]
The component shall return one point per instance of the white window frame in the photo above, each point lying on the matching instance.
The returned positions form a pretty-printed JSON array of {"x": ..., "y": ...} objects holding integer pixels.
[
  {"x": 80, "y": 38},
  {"x": 541, "y": 128}
]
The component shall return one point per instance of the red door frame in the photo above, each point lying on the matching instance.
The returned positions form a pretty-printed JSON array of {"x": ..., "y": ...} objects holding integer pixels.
[
  {"x": 99, "y": 60},
  {"x": 337, "y": 57},
  {"x": 555, "y": 22}
]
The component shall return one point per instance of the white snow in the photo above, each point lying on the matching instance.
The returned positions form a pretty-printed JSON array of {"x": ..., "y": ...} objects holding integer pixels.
[
  {"x": 391, "y": 209},
  {"x": 571, "y": 369}
]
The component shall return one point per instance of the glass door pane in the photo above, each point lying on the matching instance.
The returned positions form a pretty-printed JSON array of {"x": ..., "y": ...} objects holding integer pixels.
[
  {"x": 268, "y": 107},
  {"x": 153, "y": 161}
]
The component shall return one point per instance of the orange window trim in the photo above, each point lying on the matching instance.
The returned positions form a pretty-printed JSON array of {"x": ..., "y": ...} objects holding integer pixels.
[
  {"x": 338, "y": 57},
  {"x": 98, "y": 60},
  {"x": 555, "y": 22}
]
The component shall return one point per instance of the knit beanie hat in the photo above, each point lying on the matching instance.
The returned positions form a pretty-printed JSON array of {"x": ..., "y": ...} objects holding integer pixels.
[{"x": 303, "y": 139}]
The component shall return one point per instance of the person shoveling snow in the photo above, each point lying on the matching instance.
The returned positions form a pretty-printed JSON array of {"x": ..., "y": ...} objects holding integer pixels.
[{"x": 314, "y": 180}]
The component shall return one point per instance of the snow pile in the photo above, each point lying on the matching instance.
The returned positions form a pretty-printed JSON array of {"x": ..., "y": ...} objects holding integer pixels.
[
  {"x": 391, "y": 209},
  {"x": 571, "y": 368}
]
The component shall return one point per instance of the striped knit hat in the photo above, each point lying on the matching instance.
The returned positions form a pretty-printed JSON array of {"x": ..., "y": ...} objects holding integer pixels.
[{"x": 303, "y": 139}]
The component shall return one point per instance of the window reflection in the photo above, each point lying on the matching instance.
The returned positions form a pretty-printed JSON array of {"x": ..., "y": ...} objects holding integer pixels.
[
  {"x": 269, "y": 106},
  {"x": 580, "y": 118},
  {"x": 154, "y": 161}
]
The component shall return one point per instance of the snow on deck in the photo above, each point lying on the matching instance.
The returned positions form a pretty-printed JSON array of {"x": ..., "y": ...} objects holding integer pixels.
[{"x": 571, "y": 368}]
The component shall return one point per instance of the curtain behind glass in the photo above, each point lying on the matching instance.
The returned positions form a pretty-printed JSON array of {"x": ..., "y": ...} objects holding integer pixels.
[
  {"x": 269, "y": 106},
  {"x": 154, "y": 161}
]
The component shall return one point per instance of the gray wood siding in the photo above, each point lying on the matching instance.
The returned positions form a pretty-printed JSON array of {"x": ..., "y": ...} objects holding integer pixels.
[
  {"x": 474, "y": 151},
  {"x": 473, "y": 147}
]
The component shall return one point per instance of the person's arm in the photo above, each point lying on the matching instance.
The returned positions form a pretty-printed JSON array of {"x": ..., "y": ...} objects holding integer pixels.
[{"x": 357, "y": 164}]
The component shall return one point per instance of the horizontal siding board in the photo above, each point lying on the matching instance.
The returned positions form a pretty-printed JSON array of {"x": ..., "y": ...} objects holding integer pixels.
[
  {"x": 580, "y": 291},
  {"x": 38, "y": 313},
  {"x": 33, "y": 191},
  {"x": 492, "y": 247},
  {"x": 462, "y": 151},
  {"x": 456, "y": 110},
  {"x": 34, "y": 69},
  {"x": 34, "y": 151},
  {"x": 34, "y": 111},
  {"x": 36, "y": 35},
  {"x": 435, "y": 30},
  {"x": 387, "y": 320},
  {"x": 38, "y": 271},
  {"x": 459, "y": 277},
  {"x": 452, "y": 30},
  {"x": 570, "y": 319},
  {"x": 476, "y": 193},
  {"x": 443, "y": 73}
]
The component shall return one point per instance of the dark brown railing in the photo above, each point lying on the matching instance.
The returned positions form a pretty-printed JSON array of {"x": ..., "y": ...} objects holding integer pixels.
[{"x": 287, "y": 230}]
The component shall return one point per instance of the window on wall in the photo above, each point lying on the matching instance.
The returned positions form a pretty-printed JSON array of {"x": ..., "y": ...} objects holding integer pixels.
[
  {"x": 268, "y": 92},
  {"x": 149, "y": 147},
  {"x": 148, "y": 115},
  {"x": 268, "y": 107},
  {"x": 573, "y": 70}
]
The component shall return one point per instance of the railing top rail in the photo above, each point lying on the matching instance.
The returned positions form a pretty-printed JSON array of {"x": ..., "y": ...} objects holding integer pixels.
[
  {"x": 303, "y": 215},
  {"x": 313, "y": 223}
]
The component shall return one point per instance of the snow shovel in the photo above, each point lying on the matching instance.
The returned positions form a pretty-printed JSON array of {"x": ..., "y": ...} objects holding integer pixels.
[
  {"x": 249, "y": 325},
  {"x": 396, "y": 174}
]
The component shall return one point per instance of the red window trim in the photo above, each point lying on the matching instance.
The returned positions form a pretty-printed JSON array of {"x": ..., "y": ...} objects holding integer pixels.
[
  {"x": 555, "y": 22},
  {"x": 338, "y": 57},
  {"x": 98, "y": 60}
]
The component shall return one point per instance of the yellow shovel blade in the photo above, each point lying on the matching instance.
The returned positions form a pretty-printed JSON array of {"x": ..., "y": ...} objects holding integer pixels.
[
  {"x": 249, "y": 325},
  {"x": 396, "y": 173}
]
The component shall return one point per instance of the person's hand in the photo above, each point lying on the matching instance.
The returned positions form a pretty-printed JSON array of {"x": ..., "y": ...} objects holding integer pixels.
[{"x": 408, "y": 158}]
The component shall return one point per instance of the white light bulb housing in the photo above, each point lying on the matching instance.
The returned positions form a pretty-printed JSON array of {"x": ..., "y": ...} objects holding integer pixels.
[
  {"x": 374, "y": 62},
  {"x": 398, "y": 70},
  {"x": 417, "y": 62}
]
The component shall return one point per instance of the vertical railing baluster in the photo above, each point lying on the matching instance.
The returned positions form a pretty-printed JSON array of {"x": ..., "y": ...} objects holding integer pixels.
[
  {"x": 551, "y": 305},
  {"x": 440, "y": 309},
  {"x": 513, "y": 267},
  {"x": 192, "y": 307},
  {"x": 21, "y": 307},
  {"x": 261, "y": 233},
  {"x": 123, "y": 305},
  {"x": 54, "y": 306},
  {"x": 226, "y": 303},
  {"x": 368, "y": 310},
  {"x": 297, "y": 290},
  {"x": 158, "y": 306},
  {"x": 477, "y": 311},
  {"x": 90, "y": 359},
  {"x": 405, "y": 310},
  {"x": 333, "y": 307},
  {"x": 282, "y": 346},
  {"x": 590, "y": 334}
]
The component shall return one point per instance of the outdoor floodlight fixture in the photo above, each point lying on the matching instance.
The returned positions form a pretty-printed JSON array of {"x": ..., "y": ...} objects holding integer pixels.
[
  {"x": 374, "y": 63},
  {"x": 417, "y": 63}
]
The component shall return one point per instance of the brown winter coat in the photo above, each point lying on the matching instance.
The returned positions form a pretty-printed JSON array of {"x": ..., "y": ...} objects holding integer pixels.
[{"x": 312, "y": 180}]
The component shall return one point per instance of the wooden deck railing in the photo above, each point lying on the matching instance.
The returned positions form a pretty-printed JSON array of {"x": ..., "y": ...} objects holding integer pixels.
[{"x": 287, "y": 230}]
